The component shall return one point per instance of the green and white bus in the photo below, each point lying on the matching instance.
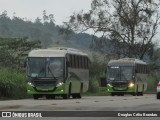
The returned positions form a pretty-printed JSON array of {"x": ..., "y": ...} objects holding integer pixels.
[
  {"x": 57, "y": 72},
  {"x": 126, "y": 76}
]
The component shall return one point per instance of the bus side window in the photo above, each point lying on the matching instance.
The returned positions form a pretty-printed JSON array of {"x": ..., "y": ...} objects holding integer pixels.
[
  {"x": 68, "y": 61},
  {"x": 83, "y": 66},
  {"x": 141, "y": 68},
  {"x": 145, "y": 69},
  {"x": 80, "y": 61},
  {"x": 71, "y": 61},
  {"x": 136, "y": 70},
  {"x": 85, "y": 63},
  {"x": 74, "y": 61}
]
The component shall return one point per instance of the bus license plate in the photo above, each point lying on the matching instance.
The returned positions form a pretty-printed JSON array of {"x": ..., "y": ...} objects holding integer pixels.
[
  {"x": 119, "y": 88},
  {"x": 45, "y": 89}
]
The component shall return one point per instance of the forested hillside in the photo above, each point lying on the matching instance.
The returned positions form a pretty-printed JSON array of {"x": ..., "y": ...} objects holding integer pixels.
[{"x": 45, "y": 31}]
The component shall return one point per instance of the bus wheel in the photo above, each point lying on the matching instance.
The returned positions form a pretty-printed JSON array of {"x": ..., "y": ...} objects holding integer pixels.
[
  {"x": 65, "y": 96},
  {"x": 79, "y": 95},
  {"x": 52, "y": 96},
  {"x": 122, "y": 94},
  {"x": 142, "y": 91},
  {"x": 74, "y": 96},
  {"x": 48, "y": 97},
  {"x": 134, "y": 93},
  {"x": 137, "y": 93},
  {"x": 35, "y": 96},
  {"x": 112, "y": 94}
]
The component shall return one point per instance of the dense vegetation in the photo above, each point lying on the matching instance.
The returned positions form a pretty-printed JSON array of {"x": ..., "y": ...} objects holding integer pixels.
[
  {"x": 12, "y": 54},
  {"x": 12, "y": 83}
]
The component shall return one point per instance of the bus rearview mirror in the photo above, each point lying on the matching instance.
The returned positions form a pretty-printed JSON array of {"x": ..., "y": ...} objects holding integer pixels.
[{"x": 105, "y": 70}]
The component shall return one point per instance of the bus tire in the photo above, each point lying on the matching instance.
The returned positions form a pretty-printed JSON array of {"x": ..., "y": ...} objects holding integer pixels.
[
  {"x": 79, "y": 95},
  {"x": 52, "y": 96},
  {"x": 141, "y": 93},
  {"x": 35, "y": 96},
  {"x": 74, "y": 96},
  {"x": 137, "y": 93},
  {"x": 69, "y": 92},
  {"x": 134, "y": 93},
  {"x": 122, "y": 94},
  {"x": 48, "y": 97},
  {"x": 112, "y": 94},
  {"x": 66, "y": 96}
]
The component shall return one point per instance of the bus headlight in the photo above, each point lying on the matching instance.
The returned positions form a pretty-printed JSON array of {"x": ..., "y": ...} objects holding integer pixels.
[
  {"x": 109, "y": 85},
  {"x": 31, "y": 84},
  {"x": 131, "y": 84},
  {"x": 59, "y": 84}
]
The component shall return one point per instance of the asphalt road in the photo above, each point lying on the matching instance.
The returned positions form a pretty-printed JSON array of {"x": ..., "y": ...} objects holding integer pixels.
[{"x": 148, "y": 102}]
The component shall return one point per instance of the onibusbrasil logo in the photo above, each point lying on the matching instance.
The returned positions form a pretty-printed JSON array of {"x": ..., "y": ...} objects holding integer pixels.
[{"x": 21, "y": 114}]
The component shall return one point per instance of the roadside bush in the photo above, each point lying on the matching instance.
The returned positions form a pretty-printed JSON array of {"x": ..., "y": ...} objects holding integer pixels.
[
  {"x": 151, "y": 84},
  {"x": 96, "y": 70},
  {"x": 12, "y": 83},
  {"x": 93, "y": 85}
]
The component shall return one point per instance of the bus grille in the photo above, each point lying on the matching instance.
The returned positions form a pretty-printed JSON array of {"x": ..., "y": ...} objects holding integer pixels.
[
  {"x": 44, "y": 82},
  {"x": 120, "y": 85}
]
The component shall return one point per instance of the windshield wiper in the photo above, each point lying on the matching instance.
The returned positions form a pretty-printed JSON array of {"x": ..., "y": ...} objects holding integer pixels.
[
  {"x": 124, "y": 77},
  {"x": 49, "y": 69},
  {"x": 59, "y": 77},
  {"x": 42, "y": 69}
]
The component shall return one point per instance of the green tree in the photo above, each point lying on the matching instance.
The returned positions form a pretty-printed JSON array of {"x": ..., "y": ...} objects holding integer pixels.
[
  {"x": 132, "y": 22},
  {"x": 48, "y": 18},
  {"x": 38, "y": 21},
  {"x": 13, "y": 49}
]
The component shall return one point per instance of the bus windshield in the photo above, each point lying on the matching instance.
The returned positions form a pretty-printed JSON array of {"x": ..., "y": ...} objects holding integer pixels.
[
  {"x": 45, "y": 67},
  {"x": 120, "y": 72}
]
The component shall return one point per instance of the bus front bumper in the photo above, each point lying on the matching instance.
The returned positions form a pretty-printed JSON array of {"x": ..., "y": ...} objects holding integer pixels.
[
  {"x": 111, "y": 89},
  {"x": 45, "y": 89}
]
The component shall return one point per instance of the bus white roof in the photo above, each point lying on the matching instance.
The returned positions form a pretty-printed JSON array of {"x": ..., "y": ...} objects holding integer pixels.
[
  {"x": 126, "y": 61},
  {"x": 55, "y": 52}
]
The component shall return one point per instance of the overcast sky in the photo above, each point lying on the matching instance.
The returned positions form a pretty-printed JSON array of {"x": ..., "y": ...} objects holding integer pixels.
[{"x": 32, "y": 9}]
